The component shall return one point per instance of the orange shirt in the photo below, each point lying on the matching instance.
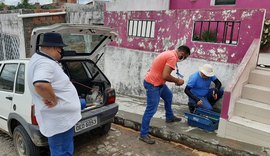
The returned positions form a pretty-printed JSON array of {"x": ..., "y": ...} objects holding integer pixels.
[{"x": 154, "y": 74}]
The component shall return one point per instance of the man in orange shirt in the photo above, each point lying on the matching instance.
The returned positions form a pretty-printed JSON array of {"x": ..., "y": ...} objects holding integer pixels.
[{"x": 154, "y": 83}]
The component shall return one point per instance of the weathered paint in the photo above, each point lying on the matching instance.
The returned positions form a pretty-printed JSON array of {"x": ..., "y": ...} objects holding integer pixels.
[
  {"x": 12, "y": 25},
  {"x": 176, "y": 26},
  {"x": 85, "y": 14},
  {"x": 126, "y": 68},
  {"x": 206, "y": 4},
  {"x": 225, "y": 108}
]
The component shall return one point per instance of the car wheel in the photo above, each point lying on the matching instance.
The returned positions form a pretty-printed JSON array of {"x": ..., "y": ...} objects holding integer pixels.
[
  {"x": 104, "y": 129},
  {"x": 23, "y": 144}
]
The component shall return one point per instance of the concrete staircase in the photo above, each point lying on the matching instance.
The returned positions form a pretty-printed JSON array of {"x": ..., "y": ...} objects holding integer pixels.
[{"x": 251, "y": 120}]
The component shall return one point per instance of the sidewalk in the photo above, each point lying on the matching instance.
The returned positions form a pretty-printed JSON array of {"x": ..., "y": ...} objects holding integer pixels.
[{"x": 130, "y": 114}]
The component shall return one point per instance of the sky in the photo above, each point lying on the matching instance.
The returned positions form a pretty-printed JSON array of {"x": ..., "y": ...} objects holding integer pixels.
[{"x": 15, "y": 2}]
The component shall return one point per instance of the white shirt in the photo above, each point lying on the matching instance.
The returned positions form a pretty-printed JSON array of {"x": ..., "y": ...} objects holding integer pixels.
[{"x": 67, "y": 112}]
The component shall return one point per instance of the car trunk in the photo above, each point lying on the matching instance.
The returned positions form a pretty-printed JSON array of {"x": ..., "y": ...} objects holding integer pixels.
[{"x": 89, "y": 81}]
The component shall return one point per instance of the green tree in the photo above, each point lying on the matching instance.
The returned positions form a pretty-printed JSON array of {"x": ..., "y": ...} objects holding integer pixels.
[
  {"x": 265, "y": 41},
  {"x": 2, "y": 6},
  {"x": 25, "y": 5}
]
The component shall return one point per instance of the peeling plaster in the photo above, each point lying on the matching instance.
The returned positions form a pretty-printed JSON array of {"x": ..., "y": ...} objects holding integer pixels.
[
  {"x": 193, "y": 18},
  {"x": 147, "y": 15},
  {"x": 212, "y": 15},
  {"x": 212, "y": 52},
  {"x": 150, "y": 46},
  {"x": 119, "y": 41},
  {"x": 226, "y": 14},
  {"x": 130, "y": 39},
  {"x": 175, "y": 28},
  {"x": 141, "y": 44},
  {"x": 167, "y": 43},
  {"x": 181, "y": 41},
  {"x": 168, "y": 12},
  {"x": 161, "y": 30},
  {"x": 222, "y": 54},
  {"x": 192, "y": 50},
  {"x": 197, "y": 16},
  {"x": 220, "y": 50},
  {"x": 246, "y": 14},
  {"x": 188, "y": 23},
  {"x": 124, "y": 17},
  {"x": 200, "y": 51}
]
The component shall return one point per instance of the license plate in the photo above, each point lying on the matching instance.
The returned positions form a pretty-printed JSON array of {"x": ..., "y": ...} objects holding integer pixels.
[{"x": 86, "y": 124}]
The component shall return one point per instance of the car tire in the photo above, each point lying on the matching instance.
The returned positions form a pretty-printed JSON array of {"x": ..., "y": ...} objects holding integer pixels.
[
  {"x": 104, "y": 129},
  {"x": 23, "y": 143}
]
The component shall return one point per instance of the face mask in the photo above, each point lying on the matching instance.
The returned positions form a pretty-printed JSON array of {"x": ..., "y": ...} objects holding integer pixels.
[
  {"x": 181, "y": 58},
  {"x": 61, "y": 53}
]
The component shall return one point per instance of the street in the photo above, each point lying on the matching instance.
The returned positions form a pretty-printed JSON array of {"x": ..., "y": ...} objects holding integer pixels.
[{"x": 119, "y": 141}]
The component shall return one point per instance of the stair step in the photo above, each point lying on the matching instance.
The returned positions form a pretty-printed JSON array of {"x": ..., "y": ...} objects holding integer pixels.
[
  {"x": 245, "y": 130},
  {"x": 253, "y": 110},
  {"x": 260, "y": 77},
  {"x": 256, "y": 93}
]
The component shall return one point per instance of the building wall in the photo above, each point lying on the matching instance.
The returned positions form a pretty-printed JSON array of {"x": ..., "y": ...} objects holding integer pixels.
[
  {"x": 126, "y": 68},
  {"x": 29, "y": 23},
  {"x": 128, "y": 58},
  {"x": 16, "y": 27},
  {"x": 64, "y": 1},
  {"x": 85, "y": 14},
  {"x": 137, "y": 5},
  {"x": 175, "y": 27},
  {"x": 11, "y": 36},
  {"x": 206, "y": 4}
]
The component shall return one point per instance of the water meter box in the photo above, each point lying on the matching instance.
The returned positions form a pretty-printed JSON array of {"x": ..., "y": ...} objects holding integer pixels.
[{"x": 204, "y": 119}]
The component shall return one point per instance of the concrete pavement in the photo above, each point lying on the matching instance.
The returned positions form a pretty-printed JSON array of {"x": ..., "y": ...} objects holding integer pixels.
[{"x": 130, "y": 114}]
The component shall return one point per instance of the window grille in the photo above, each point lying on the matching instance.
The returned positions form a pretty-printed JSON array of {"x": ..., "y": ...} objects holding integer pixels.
[
  {"x": 141, "y": 28},
  {"x": 216, "y": 31}
]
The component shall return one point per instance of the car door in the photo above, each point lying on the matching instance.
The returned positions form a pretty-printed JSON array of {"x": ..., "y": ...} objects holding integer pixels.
[
  {"x": 7, "y": 77},
  {"x": 83, "y": 39},
  {"x": 22, "y": 99}
]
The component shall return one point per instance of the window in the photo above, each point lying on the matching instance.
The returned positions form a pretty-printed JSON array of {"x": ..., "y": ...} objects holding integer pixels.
[
  {"x": 80, "y": 43},
  {"x": 20, "y": 80},
  {"x": 216, "y": 31},
  {"x": 223, "y": 2},
  {"x": 7, "y": 77},
  {"x": 141, "y": 28},
  {"x": 76, "y": 71}
]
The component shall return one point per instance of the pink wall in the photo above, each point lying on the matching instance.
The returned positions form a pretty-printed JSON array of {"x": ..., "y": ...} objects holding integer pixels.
[
  {"x": 205, "y": 4},
  {"x": 174, "y": 25}
]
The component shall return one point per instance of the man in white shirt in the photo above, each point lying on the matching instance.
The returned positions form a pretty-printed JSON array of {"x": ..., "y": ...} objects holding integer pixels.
[{"x": 57, "y": 105}]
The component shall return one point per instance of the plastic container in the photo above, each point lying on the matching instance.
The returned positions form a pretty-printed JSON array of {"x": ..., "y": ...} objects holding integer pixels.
[
  {"x": 83, "y": 103},
  {"x": 204, "y": 119}
]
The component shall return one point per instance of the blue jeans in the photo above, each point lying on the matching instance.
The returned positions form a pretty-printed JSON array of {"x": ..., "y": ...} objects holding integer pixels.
[
  {"x": 153, "y": 97},
  {"x": 62, "y": 144},
  {"x": 208, "y": 100}
]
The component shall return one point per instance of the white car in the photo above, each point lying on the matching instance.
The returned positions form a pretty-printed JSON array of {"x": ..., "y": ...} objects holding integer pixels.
[{"x": 85, "y": 43}]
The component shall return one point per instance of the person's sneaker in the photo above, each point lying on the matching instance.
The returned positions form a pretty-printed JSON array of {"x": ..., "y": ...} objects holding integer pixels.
[
  {"x": 147, "y": 139},
  {"x": 174, "y": 119}
]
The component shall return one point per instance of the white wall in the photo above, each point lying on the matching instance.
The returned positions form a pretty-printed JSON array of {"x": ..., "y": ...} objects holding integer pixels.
[
  {"x": 84, "y": 14},
  {"x": 12, "y": 25},
  {"x": 125, "y": 68},
  {"x": 137, "y": 5}
]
